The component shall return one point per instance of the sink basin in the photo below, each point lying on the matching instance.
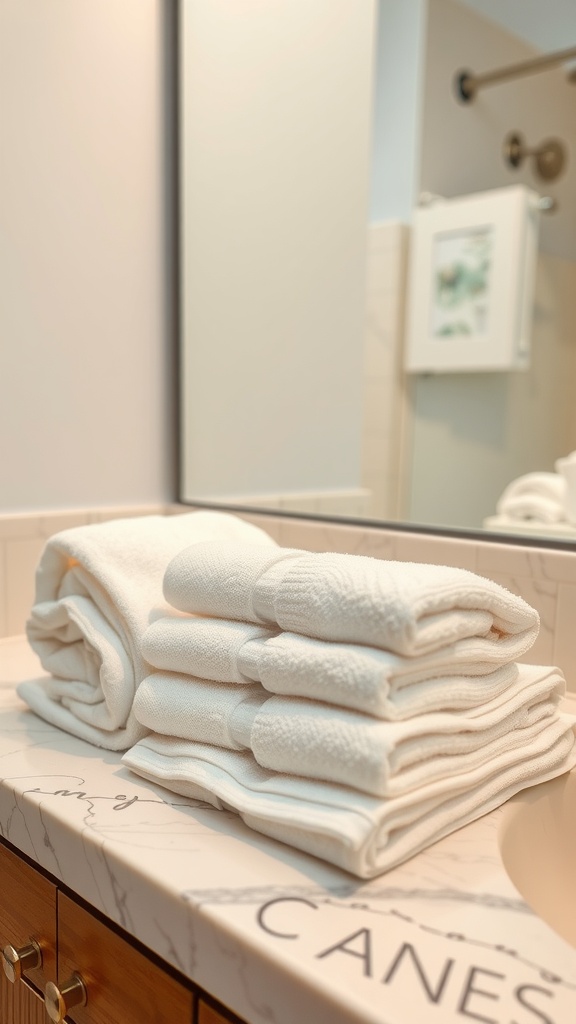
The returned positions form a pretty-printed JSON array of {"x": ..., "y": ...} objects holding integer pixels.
[{"x": 538, "y": 848}]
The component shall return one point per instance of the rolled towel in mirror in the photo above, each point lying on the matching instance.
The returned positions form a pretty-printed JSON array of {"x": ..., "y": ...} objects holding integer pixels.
[
  {"x": 567, "y": 469},
  {"x": 405, "y": 607},
  {"x": 534, "y": 496},
  {"x": 97, "y": 588}
]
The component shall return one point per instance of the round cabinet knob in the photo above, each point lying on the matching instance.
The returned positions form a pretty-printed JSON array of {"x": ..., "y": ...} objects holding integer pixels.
[
  {"x": 16, "y": 961},
  {"x": 59, "y": 1001}
]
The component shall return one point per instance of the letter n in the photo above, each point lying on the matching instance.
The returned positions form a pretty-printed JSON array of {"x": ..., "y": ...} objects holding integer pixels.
[{"x": 434, "y": 994}]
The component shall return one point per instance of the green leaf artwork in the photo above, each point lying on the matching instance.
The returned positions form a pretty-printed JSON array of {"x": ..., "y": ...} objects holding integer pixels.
[{"x": 462, "y": 266}]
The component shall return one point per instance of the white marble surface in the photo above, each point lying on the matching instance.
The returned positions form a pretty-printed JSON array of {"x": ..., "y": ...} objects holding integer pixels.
[{"x": 276, "y": 935}]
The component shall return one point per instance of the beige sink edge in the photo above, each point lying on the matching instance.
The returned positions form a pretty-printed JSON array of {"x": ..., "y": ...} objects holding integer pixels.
[{"x": 537, "y": 840}]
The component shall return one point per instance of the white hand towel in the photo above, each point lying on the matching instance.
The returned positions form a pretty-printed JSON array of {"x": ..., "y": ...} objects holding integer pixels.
[
  {"x": 405, "y": 607},
  {"x": 197, "y": 709},
  {"x": 380, "y": 683},
  {"x": 314, "y": 740},
  {"x": 97, "y": 588},
  {"x": 357, "y": 832},
  {"x": 320, "y": 741},
  {"x": 207, "y": 648}
]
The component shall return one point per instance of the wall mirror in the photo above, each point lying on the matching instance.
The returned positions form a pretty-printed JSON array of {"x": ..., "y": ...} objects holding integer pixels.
[{"x": 309, "y": 132}]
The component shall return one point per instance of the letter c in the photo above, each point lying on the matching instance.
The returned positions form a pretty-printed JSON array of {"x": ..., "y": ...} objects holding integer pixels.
[{"x": 281, "y": 899}]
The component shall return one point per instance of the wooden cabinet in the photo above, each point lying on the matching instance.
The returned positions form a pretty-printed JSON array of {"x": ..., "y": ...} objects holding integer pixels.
[
  {"x": 20, "y": 1004},
  {"x": 28, "y": 911},
  {"x": 123, "y": 984},
  {"x": 208, "y": 1015}
]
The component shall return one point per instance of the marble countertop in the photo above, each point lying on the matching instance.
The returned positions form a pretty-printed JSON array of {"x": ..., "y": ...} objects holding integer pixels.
[{"x": 277, "y": 935}]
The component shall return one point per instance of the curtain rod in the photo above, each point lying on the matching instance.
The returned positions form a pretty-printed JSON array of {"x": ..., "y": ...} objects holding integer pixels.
[{"x": 468, "y": 84}]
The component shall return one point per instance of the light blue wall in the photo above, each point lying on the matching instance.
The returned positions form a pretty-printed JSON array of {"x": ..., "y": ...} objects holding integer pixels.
[{"x": 400, "y": 44}]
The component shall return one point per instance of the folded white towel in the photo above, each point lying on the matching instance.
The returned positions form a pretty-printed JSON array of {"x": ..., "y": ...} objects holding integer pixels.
[
  {"x": 534, "y": 496},
  {"x": 360, "y": 833},
  {"x": 97, "y": 588},
  {"x": 198, "y": 709},
  {"x": 319, "y": 741},
  {"x": 405, "y": 607},
  {"x": 303, "y": 737},
  {"x": 459, "y": 675},
  {"x": 207, "y": 648}
]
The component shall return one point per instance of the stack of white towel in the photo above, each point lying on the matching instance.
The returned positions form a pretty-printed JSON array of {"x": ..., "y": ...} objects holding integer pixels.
[{"x": 355, "y": 708}]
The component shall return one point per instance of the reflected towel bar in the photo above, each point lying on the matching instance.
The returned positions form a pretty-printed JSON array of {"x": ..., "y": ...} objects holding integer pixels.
[{"x": 467, "y": 84}]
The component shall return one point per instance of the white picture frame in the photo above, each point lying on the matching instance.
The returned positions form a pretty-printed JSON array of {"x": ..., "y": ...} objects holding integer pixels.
[{"x": 471, "y": 282}]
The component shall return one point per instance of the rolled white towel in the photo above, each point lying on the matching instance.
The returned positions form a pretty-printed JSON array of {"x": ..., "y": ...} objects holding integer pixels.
[
  {"x": 97, "y": 588},
  {"x": 534, "y": 496},
  {"x": 459, "y": 675},
  {"x": 355, "y": 831},
  {"x": 322, "y": 742},
  {"x": 405, "y": 607}
]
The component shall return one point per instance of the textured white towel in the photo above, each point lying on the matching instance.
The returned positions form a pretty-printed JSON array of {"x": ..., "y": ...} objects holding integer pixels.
[
  {"x": 460, "y": 675},
  {"x": 534, "y": 496},
  {"x": 360, "y": 833},
  {"x": 308, "y": 738},
  {"x": 207, "y": 648},
  {"x": 97, "y": 588},
  {"x": 404, "y": 607},
  {"x": 319, "y": 741},
  {"x": 197, "y": 709}
]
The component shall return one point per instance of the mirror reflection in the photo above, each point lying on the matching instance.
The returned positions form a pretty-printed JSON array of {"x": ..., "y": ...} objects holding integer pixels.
[{"x": 311, "y": 133}]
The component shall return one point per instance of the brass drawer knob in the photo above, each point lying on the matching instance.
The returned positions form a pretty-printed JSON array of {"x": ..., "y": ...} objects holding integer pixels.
[
  {"x": 16, "y": 961},
  {"x": 59, "y": 1001}
]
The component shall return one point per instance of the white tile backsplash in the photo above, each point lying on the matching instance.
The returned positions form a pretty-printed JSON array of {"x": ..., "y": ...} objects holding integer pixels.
[{"x": 22, "y": 557}]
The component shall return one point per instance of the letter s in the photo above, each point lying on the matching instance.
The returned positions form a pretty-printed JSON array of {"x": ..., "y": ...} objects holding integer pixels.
[{"x": 519, "y": 993}]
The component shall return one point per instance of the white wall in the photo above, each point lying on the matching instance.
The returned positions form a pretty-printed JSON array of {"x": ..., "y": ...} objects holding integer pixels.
[
  {"x": 473, "y": 433},
  {"x": 85, "y": 321},
  {"x": 276, "y": 114}
]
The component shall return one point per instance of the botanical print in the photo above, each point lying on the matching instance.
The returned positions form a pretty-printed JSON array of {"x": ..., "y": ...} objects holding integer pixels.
[{"x": 461, "y": 273}]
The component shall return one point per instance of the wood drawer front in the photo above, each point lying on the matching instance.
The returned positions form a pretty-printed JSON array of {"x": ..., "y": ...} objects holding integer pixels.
[
  {"x": 208, "y": 1015},
  {"x": 123, "y": 986},
  {"x": 28, "y": 911},
  {"x": 19, "y": 1004}
]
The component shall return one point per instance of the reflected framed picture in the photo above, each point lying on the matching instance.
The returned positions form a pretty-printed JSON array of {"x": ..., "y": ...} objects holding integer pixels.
[{"x": 471, "y": 282}]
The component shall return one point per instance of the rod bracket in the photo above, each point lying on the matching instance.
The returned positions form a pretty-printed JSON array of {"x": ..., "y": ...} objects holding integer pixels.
[{"x": 464, "y": 86}]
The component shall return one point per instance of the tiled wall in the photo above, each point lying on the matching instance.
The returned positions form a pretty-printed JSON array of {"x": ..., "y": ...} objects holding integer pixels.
[
  {"x": 353, "y": 502},
  {"x": 545, "y": 577}
]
